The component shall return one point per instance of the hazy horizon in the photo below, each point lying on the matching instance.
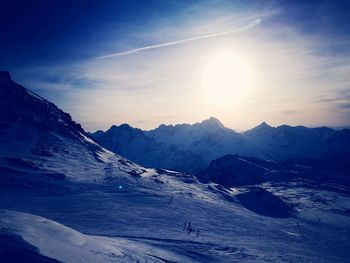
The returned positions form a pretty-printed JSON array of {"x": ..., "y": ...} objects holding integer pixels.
[
  {"x": 232, "y": 128},
  {"x": 243, "y": 62}
]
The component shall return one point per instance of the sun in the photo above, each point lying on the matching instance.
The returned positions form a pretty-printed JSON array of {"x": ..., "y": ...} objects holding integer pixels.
[{"x": 226, "y": 78}]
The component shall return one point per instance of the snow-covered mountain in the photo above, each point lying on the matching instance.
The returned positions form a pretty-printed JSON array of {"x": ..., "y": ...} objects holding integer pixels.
[
  {"x": 285, "y": 141},
  {"x": 135, "y": 145},
  {"x": 37, "y": 137},
  {"x": 209, "y": 139},
  {"x": 64, "y": 198},
  {"x": 183, "y": 147},
  {"x": 202, "y": 142}
]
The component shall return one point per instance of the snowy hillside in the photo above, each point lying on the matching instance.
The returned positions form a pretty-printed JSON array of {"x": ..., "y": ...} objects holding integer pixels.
[
  {"x": 37, "y": 137},
  {"x": 64, "y": 198},
  {"x": 64, "y": 244}
]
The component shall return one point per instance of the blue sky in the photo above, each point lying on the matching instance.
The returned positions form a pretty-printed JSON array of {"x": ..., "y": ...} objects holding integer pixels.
[{"x": 288, "y": 59}]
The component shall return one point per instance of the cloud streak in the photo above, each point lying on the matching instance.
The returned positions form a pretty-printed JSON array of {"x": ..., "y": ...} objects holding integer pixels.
[{"x": 248, "y": 26}]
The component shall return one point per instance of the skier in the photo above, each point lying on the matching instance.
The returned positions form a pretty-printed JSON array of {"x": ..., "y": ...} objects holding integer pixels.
[
  {"x": 189, "y": 225},
  {"x": 189, "y": 231},
  {"x": 189, "y": 228},
  {"x": 185, "y": 226}
]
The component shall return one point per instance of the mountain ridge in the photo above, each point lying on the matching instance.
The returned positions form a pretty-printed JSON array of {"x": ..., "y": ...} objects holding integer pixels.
[
  {"x": 210, "y": 140},
  {"x": 135, "y": 145}
]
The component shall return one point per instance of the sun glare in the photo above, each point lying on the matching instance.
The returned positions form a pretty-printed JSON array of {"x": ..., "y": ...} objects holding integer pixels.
[{"x": 226, "y": 78}]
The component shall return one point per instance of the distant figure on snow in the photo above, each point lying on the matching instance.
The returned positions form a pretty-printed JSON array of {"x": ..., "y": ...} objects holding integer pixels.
[
  {"x": 185, "y": 226},
  {"x": 189, "y": 228}
]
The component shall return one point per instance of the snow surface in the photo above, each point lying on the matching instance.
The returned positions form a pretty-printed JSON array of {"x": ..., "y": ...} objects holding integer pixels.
[
  {"x": 151, "y": 211},
  {"x": 64, "y": 244}
]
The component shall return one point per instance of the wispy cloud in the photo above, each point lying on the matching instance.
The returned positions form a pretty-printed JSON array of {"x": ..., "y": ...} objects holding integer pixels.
[
  {"x": 250, "y": 25},
  {"x": 340, "y": 99}
]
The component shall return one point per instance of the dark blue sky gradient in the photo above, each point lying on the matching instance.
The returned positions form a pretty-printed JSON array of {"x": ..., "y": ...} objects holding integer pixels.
[
  {"x": 47, "y": 32},
  {"x": 327, "y": 18}
]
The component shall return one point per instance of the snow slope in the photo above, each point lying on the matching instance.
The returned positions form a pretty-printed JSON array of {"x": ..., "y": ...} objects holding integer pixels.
[
  {"x": 38, "y": 138},
  {"x": 64, "y": 244},
  {"x": 152, "y": 211}
]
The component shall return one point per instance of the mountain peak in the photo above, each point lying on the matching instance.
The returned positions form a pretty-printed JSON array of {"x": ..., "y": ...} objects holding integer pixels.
[
  {"x": 212, "y": 121},
  {"x": 123, "y": 126},
  {"x": 263, "y": 125}
]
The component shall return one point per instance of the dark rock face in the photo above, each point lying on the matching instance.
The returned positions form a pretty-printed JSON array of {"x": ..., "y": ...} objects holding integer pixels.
[
  {"x": 34, "y": 133},
  {"x": 22, "y": 107}
]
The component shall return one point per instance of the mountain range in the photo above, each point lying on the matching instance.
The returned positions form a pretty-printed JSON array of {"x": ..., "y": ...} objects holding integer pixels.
[
  {"x": 191, "y": 148},
  {"x": 135, "y": 145}
]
